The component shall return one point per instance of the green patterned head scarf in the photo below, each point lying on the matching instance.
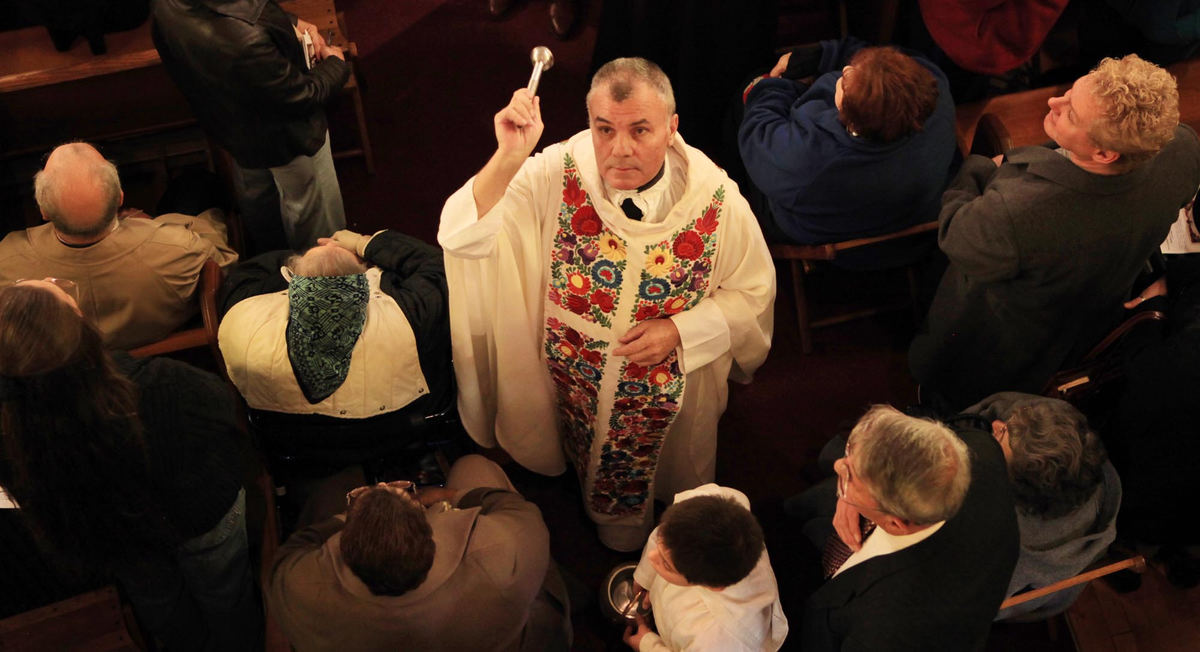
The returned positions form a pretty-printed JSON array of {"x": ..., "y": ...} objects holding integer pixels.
[{"x": 326, "y": 316}]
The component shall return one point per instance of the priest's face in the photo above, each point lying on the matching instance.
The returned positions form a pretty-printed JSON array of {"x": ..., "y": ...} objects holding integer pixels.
[{"x": 630, "y": 135}]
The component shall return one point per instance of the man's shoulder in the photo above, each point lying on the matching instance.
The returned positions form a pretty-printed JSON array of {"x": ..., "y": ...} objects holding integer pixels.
[
  {"x": 171, "y": 232},
  {"x": 20, "y": 241},
  {"x": 1184, "y": 147}
]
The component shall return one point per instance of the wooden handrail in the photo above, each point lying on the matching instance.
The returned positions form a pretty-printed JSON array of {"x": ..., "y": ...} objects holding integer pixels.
[
  {"x": 1120, "y": 331},
  {"x": 1138, "y": 564},
  {"x": 829, "y": 250},
  {"x": 204, "y": 335}
]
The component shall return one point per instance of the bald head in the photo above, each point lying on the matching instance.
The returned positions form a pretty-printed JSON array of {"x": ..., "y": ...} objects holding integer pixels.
[
  {"x": 327, "y": 260},
  {"x": 78, "y": 191}
]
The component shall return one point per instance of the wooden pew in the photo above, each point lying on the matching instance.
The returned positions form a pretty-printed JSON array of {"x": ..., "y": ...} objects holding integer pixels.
[{"x": 47, "y": 97}]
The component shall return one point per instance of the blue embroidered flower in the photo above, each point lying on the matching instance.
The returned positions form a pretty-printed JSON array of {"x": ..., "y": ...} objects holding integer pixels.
[
  {"x": 605, "y": 272},
  {"x": 654, "y": 289},
  {"x": 588, "y": 371},
  {"x": 630, "y": 388}
]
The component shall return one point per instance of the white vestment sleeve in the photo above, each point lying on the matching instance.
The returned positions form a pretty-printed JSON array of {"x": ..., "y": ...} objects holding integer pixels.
[
  {"x": 738, "y": 315},
  {"x": 494, "y": 271}
]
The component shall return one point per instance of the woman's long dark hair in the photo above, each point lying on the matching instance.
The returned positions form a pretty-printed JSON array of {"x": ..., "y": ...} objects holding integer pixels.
[{"x": 73, "y": 454}]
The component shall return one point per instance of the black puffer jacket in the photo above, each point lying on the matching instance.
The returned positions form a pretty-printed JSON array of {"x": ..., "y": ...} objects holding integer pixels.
[{"x": 242, "y": 69}]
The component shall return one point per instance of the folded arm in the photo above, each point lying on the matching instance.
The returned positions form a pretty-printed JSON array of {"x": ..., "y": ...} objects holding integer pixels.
[{"x": 975, "y": 230}]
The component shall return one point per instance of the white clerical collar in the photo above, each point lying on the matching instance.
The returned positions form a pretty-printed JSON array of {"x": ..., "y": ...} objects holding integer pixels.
[
  {"x": 880, "y": 543},
  {"x": 649, "y": 198}
]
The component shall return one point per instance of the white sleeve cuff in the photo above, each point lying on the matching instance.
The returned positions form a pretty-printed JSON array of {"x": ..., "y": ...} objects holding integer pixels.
[
  {"x": 462, "y": 232},
  {"x": 703, "y": 335}
]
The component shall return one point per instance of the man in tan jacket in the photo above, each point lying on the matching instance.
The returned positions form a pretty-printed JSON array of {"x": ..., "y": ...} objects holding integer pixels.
[
  {"x": 466, "y": 567},
  {"x": 135, "y": 277}
]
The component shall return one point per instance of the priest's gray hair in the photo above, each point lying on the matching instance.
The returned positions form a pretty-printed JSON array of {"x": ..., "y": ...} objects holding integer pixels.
[
  {"x": 619, "y": 76},
  {"x": 917, "y": 469}
]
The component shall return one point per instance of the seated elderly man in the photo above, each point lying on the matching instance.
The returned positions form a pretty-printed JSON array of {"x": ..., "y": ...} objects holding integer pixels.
[
  {"x": 1067, "y": 494},
  {"x": 465, "y": 568},
  {"x": 866, "y": 149},
  {"x": 353, "y": 328},
  {"x": 922, "y": 542},
  {"x": 135, "y": 277}
]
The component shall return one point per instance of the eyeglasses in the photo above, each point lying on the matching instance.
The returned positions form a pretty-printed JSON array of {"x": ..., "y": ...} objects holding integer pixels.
[
  {"x": 843, "y": 481},
  {"x": 64, "y": 284},
  {"x": 405, "y": 486}
]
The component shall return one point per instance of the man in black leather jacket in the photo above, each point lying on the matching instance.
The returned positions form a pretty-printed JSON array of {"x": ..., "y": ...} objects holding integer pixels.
[{"x": 244, "y": 70}]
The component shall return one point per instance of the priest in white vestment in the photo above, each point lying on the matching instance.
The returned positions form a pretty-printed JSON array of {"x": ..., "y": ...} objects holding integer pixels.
[{"x": 601, "y": 295}]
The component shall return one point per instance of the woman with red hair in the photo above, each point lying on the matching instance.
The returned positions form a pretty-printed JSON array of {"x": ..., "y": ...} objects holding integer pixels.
[{"x": 866, "y": 149}]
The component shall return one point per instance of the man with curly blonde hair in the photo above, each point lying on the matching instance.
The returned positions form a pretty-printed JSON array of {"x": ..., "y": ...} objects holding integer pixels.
[{"x": 1044, "y": 246}]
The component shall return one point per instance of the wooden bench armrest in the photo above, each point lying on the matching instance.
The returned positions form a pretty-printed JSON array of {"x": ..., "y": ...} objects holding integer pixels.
[
  {"x": 1137, "y": 564},
  {"x": 829, "y": 250}
]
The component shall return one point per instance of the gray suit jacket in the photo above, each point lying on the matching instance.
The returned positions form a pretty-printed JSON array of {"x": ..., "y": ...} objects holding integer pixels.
[
  {"x": 492, "y": 557},
  {"x": 1042, "y": 253}
]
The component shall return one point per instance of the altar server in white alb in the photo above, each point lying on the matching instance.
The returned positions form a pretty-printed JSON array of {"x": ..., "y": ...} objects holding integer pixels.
[
  {"x": 708, "y": 579},
  {"x": 601, "y": 295}
]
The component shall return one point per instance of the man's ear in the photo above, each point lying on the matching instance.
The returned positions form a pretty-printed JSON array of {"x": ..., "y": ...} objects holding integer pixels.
[
  {"x": 121, "y": 200},
  {"x": 897, "y": 524},
  {"x": 674, "y": 123},
  {"x": 1105, "y": 156},
  {"x": 45, "y": 217}
]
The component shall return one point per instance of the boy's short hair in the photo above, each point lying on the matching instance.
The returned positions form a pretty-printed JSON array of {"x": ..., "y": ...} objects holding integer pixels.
[{"x": 712, "y": 540}]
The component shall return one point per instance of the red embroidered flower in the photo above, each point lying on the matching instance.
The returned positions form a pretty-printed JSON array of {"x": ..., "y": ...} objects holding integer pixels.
[
  {"x": 688, "y": 245},
  {"x": 585, "y": 221},
  {"x": 573, "y": 195},
  {"x": 660, "y": 376},
  {"x": 635, "y": 371},
  {"x": 592, "y": 357},
  {"x": 603, "y": 300},
  {"x": 656, "y": 413},
  {"x": 675, "y": 305},
  {"x": 560, "y": 377},
  {"x": 628, "y": 403},
  {"x": 577, "y": 304},
  {"x": 646, "y": 311},
  {"x": 553, "y": 295},
  {"x": 578, "y": 283},
  {"x": 708, "y": 223},
  {"x": 635, "y": 487},
  {"x": 573, "y": 336}
]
